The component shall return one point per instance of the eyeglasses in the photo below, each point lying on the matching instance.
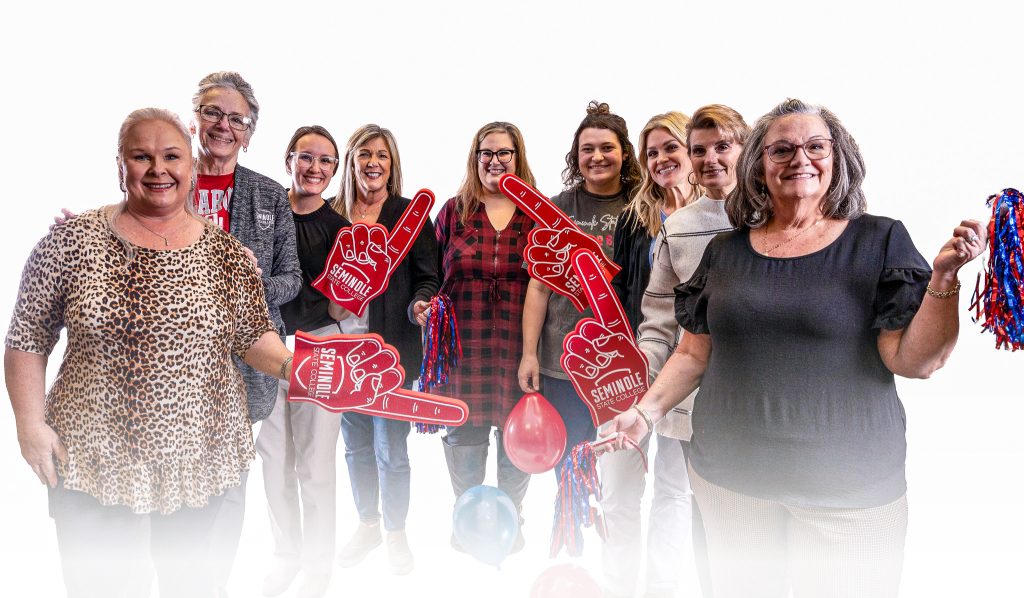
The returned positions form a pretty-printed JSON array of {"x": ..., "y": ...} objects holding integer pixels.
[
  {"x": 783, "y": 151},
  {"x": 213, "y": 114},
  {"x": 306, "y": 160},
  {"x": 504, "y": 155}
]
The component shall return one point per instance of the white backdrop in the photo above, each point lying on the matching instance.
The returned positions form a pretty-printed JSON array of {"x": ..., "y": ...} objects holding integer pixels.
[{"x": 930, "y": 93}]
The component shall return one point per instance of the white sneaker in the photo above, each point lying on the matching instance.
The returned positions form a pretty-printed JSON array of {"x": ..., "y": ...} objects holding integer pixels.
[
  {"x": 366, "y": 538},
  {"x": 399, "y": 555},
  {"x": 314, "y": 585},
  {"x": 280, "y": 578}
]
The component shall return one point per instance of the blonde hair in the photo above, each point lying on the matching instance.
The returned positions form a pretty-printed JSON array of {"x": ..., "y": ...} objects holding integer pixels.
[
  {"x": 467, "y": 198},
  {"x": 363, "y": 135},
  {"x": 113, "y": 211},
  {"x": 647, "y": 202}
]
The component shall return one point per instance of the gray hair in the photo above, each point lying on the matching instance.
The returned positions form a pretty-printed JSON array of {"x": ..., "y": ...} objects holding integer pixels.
[
  {"x": 750, "y": 205},
  {"x": 230, "y": 80}
]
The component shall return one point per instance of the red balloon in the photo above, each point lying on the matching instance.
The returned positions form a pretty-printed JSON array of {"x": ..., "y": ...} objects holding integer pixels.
[
  {"x": 565, "y": 581},
  {"x": 534, "y": 434}
]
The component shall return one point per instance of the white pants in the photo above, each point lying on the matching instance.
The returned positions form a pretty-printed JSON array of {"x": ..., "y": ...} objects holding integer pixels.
[
  {"x": 760, "y": 548},
  {"x": 669, "y": 542},
  {"x": 298, "y": 446}
]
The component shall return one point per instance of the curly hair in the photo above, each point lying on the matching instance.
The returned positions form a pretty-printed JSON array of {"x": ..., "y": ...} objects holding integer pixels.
[{"x": 599, "y": 116}]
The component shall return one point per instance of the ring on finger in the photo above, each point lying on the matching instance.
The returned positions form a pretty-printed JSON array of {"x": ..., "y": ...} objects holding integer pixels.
[{"x": 973, "y": 238}]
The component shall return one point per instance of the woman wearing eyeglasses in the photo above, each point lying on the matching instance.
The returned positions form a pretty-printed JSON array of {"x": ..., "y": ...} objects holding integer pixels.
[
  {"x": 255, "y": 210},
  {"x": 482, "y": 237},
  {"x": 796, "y": 325},
  {"x": 600, "y": 175},
  {"x": 298, "y": 441},
  {"x": 376, "y": 448}
]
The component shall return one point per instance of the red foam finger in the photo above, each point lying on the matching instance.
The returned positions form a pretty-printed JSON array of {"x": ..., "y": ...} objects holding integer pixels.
[
  {"x": 576, "y": 366},
  {"x": 600, "y": 295},
  {"x": 408, "y": 227},
  {"x": 412, "y": 406},
  {"x": 534, "y": 204}
]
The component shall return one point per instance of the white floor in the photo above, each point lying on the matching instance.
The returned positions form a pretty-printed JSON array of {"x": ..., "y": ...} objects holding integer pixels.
[{"x": 963, "y": 470}]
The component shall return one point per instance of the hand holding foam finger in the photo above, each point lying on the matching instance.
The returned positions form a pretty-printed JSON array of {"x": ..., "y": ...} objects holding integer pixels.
[
  {"x": 547, "y": 260},
  {"x": 408, "y": 227},
  {"x": 364, "y": 256},
  {"x": 342, "y": 371},
  {"x": 600, "y": 356}
]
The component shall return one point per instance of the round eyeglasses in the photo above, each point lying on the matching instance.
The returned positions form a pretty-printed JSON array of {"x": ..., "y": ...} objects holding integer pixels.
[
  {"x": 781, "y": 152},
  {"x": 213, "y": 114},
  {"x": 306, "y": 160}
]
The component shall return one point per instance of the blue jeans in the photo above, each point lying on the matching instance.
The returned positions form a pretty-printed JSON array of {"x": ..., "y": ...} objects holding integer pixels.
[
  {"x": 377, "y": 455},
  {"x": 579, "y": 427}
]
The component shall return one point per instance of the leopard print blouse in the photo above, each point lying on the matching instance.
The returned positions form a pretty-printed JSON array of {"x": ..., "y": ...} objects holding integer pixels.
[{"x": 147, "y": 400}]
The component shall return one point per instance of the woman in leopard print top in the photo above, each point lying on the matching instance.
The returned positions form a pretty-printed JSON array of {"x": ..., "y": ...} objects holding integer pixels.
[{"x": 146, "y": 423}]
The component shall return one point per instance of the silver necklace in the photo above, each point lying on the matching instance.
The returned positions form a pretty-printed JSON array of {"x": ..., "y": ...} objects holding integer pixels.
[
  {"x": 363, "y": 213},
  {"x": 137, "y": 219}
]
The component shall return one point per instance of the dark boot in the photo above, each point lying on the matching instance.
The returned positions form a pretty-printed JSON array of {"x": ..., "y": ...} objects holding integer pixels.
[{"x": 466, "y": 465}]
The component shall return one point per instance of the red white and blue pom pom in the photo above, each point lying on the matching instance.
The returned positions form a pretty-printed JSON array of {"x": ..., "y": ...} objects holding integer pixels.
[
  {"x": 577, "y": 482},
  {"x": 1001, "y": 297},
  {"x": 442, "y": 349}
]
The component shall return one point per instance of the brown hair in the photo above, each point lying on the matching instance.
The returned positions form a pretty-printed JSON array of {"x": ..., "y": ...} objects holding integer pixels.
[
  {"x": 312, "y": 130},
  {"x": 467, "y": 198}
]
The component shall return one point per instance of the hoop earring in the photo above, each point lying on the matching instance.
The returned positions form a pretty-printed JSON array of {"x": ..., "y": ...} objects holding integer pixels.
[
  {"x": 123, "y": 188},
  {"x": 692, "y": 183},
  {"x": 245, "y": 149}
]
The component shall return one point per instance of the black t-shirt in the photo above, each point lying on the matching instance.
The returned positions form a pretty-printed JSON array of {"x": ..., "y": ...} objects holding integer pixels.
[
  {"x": 796, "y": 404},
  {"x": 314, "y": 236}
]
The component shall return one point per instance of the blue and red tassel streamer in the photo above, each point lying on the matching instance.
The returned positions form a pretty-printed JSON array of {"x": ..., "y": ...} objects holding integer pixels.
[
  {"x": 576, "y": 483},
  {"x": 442, "y": 350},
  {"x": 998, "y": 303}
]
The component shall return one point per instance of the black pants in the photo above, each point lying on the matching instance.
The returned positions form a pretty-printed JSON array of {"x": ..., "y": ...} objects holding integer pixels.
[{"x": 110, "y": 552}]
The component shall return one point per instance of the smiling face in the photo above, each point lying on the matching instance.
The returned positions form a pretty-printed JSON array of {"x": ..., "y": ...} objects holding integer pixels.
[
  {"x": 372, "y": 164},
  {"x": 714, "y": 155},
  {"x": 799, "y": 178},
  {"x": 311, "y": 180},
  {"x": 491, "y": 172},
  {"x": 156, "y": 167},
  {"x": 218, "y": 141},
  {"x": 600, "y": 157},
  {"x": 666, "y": 159}
]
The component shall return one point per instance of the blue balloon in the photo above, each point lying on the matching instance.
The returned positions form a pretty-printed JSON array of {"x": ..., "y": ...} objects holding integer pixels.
[{"x": 485, "y": 523}]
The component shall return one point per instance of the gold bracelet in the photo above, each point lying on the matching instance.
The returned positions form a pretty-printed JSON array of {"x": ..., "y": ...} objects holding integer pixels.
[
  {"x": 944, "y": 294},
  {"x": 647, "y": 417},
  {"x": 284, "y": 368}
]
